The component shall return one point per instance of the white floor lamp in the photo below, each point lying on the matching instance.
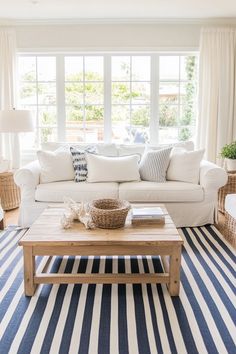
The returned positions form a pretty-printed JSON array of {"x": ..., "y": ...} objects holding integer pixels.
[{"x": 16, "y": 121}]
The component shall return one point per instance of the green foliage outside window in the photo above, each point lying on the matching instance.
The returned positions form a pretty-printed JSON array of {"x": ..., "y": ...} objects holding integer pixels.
[
  {"x": 188, "y": 117},
  {"x": 141, "y": 117}
]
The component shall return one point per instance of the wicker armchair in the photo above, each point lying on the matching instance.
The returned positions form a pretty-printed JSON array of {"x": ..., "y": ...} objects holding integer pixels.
[
  {"x": 230, "y": 219},
  {"x": 229, "y": 188},
  {"x": 9, "y": 191}
]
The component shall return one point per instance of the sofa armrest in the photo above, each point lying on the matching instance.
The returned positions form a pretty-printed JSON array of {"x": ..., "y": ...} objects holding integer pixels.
[
  {"x": 212, "y": 176},
  {"x": 28, "y": 174},
  {"x": 27, "y": 178}
]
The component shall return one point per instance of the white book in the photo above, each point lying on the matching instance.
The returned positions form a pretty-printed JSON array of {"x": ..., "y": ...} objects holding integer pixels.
[
  {"x": 149, "y": 217},
  {"x": 148, "y": 212}
]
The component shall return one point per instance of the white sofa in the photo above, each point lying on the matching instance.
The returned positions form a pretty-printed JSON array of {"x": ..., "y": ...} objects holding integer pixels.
[{"x": 188, "y": 204}]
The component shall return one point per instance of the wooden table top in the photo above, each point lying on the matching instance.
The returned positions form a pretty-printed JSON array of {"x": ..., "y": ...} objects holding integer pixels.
[{"x": 47, "y": 230}]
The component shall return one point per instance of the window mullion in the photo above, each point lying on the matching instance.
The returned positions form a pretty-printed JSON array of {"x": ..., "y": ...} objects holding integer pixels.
[
  {"x": 84, "y": 102},
  {"x": 60, "y": 84},
  {"x": 38, "y": 133},
  {"x": 130, "y": 97},
  {"x": 107, "y": 99},
  {"x": 179, "y": 106},
  {"x": 154, "y": 115}
]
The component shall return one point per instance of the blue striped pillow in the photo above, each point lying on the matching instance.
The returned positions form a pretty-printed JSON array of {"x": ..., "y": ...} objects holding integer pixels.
[
  {"x": 154, "y": 164},
  {"x": 79, "y": 162}
]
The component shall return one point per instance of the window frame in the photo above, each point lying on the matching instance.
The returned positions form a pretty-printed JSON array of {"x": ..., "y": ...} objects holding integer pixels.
[{"x": 107, "y": 62}]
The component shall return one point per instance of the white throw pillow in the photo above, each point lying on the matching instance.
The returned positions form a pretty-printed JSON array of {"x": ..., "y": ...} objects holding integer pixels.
[
  {"x": 112, "y": 169},
  {"x": 185, "y": 165},
  {"x": 55, "y": 166}
]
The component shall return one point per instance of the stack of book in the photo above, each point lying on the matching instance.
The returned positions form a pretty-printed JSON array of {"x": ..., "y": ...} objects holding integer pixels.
[{"x": 148, "y": 215}]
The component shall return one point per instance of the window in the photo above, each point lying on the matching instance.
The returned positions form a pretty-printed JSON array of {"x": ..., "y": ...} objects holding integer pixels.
[
  {"x": 38, "y": 94},
  {"x": 177, "y": 97},
  {"x": 130, "y": 98},
  {"x": 84, "y": 98},
  {"x": 121, "y": 98}
]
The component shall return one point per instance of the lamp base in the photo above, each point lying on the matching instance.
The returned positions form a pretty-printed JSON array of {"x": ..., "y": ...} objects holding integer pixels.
[
  {"x": 16, "y": 152},
  {"x": 4, "y": 165}
]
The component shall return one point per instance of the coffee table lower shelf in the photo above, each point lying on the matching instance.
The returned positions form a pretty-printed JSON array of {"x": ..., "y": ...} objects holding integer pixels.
[
  {"x": 171, "y": 275},
  {"x": 61, "y": 278}
]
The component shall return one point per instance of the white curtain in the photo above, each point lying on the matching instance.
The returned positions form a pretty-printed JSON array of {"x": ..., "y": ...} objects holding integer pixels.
[
  {"x": 217, "y": 90},
  {"x": 7, "y": 82}
]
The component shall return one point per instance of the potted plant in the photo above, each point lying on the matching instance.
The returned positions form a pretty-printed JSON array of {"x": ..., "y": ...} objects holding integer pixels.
[{"x": 229, "y": 153}]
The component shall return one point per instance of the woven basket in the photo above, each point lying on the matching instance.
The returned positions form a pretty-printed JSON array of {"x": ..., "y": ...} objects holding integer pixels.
[
  {"x": 109, "y": 213},
  {"x": 9, "y": 191},
  {"x": 229, "y": 188},
  {"x": 230, "y": 229}
]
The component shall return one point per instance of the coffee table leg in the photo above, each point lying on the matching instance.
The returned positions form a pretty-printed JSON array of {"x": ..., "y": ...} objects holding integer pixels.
[
  {"x": 174, "y": 271},
  {"x": 29, "y": 270}
]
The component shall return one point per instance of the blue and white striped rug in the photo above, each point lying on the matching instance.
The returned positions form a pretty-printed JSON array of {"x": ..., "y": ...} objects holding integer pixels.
[{"x": 123, "y": 318}]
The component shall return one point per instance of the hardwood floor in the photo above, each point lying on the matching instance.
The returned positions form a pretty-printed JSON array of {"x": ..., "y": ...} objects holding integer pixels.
[{"x": 11, "y": 217}]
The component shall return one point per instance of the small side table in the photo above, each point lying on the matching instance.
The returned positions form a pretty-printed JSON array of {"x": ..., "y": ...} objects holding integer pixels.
[
  {"x": 9, "y": 191},
  {"x": 229, "y": 188}
]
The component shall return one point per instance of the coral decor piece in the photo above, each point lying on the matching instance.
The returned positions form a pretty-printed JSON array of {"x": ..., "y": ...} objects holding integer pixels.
[
  {"x": 66, "y": 221},
  {"x": 75, "y": 211}
]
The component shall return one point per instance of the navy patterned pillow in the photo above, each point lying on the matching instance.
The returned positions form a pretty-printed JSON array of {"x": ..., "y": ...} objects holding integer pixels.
[{"x": 79, "y": 162}]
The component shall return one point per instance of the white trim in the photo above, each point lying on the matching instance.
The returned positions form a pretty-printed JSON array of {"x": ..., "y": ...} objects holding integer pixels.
[
  {"x": 117, "y": 21},
  {"x": 107, "y": 50}
]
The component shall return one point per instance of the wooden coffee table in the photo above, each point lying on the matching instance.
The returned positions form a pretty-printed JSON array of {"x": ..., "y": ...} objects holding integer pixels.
[{"x": 47, "y": 238}]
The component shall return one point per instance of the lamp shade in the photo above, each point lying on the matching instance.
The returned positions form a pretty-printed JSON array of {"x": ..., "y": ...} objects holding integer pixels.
[{"x": 16, "y": 121}]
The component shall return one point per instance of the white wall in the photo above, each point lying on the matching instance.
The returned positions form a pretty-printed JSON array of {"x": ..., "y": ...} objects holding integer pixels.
[
  {"x": 108, "y": 37},
  {"x": 90, "y": 36}
]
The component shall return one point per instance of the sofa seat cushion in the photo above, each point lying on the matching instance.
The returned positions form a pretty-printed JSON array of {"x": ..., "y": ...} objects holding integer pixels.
[
  {"x": 169, "y": 191},
  {"x": 83, "y": 191}
]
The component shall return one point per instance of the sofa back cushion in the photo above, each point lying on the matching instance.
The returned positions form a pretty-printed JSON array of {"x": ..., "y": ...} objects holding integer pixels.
[
  {"x": 112, "y": 169},
  {"x": 101, "y": 148},
  {"x": 186, "y": 145},
  {"x": 107, "y": 149},
  {"x": 112, "y": 149},
  {"x": 125, "y": 150},
  {"x": 185, "y": 165},
  {"x": 154, "y": 164},
  {"x": 55, "y": 166}
]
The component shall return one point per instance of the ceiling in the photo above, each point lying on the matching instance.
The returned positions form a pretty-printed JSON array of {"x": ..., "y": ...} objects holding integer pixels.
[{"x": 116, "y": 9}]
